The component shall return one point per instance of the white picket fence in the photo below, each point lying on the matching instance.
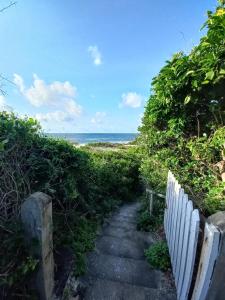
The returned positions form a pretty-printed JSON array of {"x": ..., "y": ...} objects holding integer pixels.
[{"x": 182, "y": 225}]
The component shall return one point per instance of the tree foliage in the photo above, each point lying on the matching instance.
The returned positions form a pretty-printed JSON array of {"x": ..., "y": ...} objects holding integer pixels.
[{"x": 183, "y": 124}]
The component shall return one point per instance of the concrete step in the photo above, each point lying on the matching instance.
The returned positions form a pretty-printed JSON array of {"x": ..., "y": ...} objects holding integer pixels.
[
  {"x": 123, "y": 224},
  {"x": 111, "y": 290},
  {"x": 129, "y": 210},
  {"x": 117, "y": 270},
  {"x": 133, "y": 235},
  {"x": 125, "y": 270},
  {"x": 120, "y": 247},
  {"x": 124, "y": 219}
]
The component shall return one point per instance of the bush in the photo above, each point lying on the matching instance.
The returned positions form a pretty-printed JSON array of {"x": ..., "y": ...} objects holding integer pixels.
[
  {"x": 85, "y": 185},
  {"x": 183, "y": 125},
  {"x": 16, "y": 264},
  {"x": 158, "y": 256},
  {"x": 155, "y": 221}
]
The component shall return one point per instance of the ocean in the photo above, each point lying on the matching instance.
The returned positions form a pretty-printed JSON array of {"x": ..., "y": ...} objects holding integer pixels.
[{"x": 86, "y": 138}]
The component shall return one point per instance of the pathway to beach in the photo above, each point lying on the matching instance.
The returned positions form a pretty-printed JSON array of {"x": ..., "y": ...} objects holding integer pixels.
[{"x": 117, "y": 269}]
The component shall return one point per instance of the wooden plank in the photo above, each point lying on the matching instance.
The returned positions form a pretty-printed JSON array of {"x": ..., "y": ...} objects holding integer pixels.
[
  {"x": 154, "y": 193},
  {"x": 189, "y": 210},
  {"x": 168, "y": 187},
  {"x": 175, "y": 218},
  {"x": 170, "y": 213},
  {"x": 208, "y": 257},
  {"x": 171, "y": 217},
  {"x": 165, "y": 222},
  {"x": 168, "y": 204},
  {"x": 177, "y": 233},
  {"x": 150, "y": 203},
  {"x": 181, "y": 236},
  {"x": 191, "y": 253}
]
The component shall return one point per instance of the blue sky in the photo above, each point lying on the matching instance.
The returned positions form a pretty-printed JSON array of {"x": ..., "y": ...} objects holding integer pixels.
[{"x": 87, "y": 65}]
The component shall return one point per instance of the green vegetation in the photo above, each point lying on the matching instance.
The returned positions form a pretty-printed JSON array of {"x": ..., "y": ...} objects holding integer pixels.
[
  {"x": 155, "y": 221},
  {"x": 109, "y": 146},
  {"x": 102, "y": 144},
  {"x": 85, "y": 186},
  {"x": 183, "y": 129},
  {"x": 15, "y": 263},
  {"x": 183, "y": 124},
  {"x": 158, "y": 256}
]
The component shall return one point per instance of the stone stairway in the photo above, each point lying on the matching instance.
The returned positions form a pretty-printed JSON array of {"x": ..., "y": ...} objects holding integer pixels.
[{"x": 117, "y": 269}]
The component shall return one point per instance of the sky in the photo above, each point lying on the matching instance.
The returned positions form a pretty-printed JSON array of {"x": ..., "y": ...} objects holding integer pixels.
[{"x": 87, "y": 65}]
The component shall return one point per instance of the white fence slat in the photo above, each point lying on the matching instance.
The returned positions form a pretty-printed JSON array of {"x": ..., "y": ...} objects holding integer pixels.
[
  {"x": 170, "y": 212},
  {"x": 209, "y": 254},
  {"x": 168, "y": 187},
  {"x": 178, "y": 188},
  {"x": 173, "y": 209},
  {"x": 181, "y": 223},
  {"x": 166, "y": 216},
  {"x": 177, "y": 243},
  {"x": 177, "y": 232},
  {"x": 165, "y": 221},
  {"x": 169, "y": 203},
  {"x": 189, "y": 210},
  {"x": 181, "y": 236},
  {"x": 193, "y": 240},
  {"x": 175, "y": 217}
]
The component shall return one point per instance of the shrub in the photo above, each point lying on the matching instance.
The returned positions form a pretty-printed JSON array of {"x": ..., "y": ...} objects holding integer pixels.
[
  {"x": 155, "y": 221},
  {"x": 158, "y": 256},
  {"x": 85, "y": 185},
  {"x": 16, "y": 264}
]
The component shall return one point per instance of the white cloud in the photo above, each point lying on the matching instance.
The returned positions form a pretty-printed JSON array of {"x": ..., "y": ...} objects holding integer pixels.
[
  {"x": 60, "y": 95},
  {"x": 18, "y": 80},
  {"x": 70, "y": 112},
  {"x": 55, "y": 116},
  {"x": 131, "y": 99},
  {"x": 95, "y": 54},
  {"x": 98, "y": 118},
  {"x": 40, "y": 93},
  {"x": 73, "y": 108}
]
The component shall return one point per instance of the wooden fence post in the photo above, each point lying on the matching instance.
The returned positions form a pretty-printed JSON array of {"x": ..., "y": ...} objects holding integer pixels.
[
  {"x": 36, "y": 215},
  {"x": 208, "y": 256},
  {"x": 151, "y": 203},
  {"x": 217, "y": 285}
]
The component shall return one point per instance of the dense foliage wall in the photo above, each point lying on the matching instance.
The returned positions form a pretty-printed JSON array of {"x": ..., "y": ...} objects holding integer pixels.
[
  {"x": 183, "y": 124},
  {"x": 85, "y": 185}
]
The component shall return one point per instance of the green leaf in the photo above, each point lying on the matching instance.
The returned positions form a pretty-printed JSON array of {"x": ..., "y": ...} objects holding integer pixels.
[
  {"x": 222, "y": 71},
  {"x": 5, "y": 141},
  {"x": 210, "y": 75},
  {"x": 205, "y": 82},
  {"x": 187, "y": 99},
  {"x": 1, "y": 146},
  {"x": 190, "y": 72},
  {"x": 195, "y": 83}
]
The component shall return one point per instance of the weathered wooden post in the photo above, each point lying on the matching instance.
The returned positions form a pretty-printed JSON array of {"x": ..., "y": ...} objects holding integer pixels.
[
  {"x": 36, "y": 214},
  {"x": 149, "y": 195},
  {"x": 151, "y": 203},
  {"x": 217, "y": 285}
]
